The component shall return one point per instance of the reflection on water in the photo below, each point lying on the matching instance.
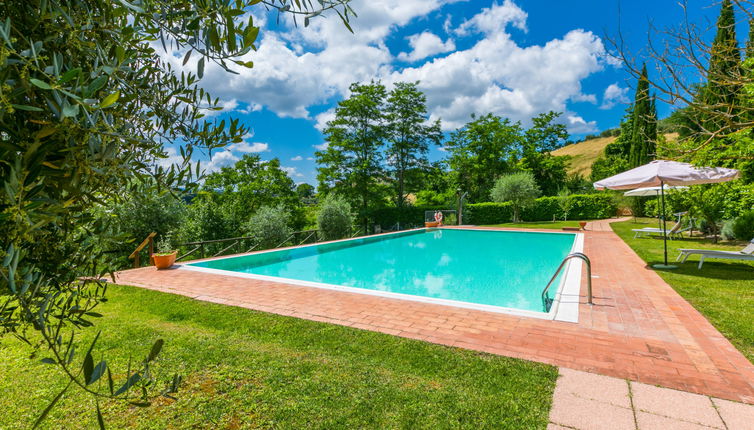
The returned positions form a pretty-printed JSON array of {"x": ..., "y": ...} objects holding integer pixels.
[{"x": 486, "y": 267}]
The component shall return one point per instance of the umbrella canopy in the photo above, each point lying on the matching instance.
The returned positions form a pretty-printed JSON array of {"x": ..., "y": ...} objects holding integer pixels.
[
  {"x": 650, "y": 191},
  {"x": 660, "y": 172}
]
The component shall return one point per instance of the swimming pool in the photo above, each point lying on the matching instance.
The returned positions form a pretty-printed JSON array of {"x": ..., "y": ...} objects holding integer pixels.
[{"x": 499, "y": 271}]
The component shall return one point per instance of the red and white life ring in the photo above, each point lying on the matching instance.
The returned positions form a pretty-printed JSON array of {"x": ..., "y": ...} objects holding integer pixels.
[{"x": 438, "y": 217}]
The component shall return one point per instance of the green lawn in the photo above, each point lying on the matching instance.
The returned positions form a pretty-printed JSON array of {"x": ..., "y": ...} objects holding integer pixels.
[
  {"x": 723, "y": 290},
  {"x": 246, "y": 369},
  {"x": 539, "y": 224}
]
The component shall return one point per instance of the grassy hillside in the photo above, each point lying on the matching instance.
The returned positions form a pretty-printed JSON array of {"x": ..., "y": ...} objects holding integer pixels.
[{"x": 584, "y": 153}]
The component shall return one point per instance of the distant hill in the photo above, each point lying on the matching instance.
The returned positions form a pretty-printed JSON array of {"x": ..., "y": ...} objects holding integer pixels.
[{"x": 584, "y": 153}]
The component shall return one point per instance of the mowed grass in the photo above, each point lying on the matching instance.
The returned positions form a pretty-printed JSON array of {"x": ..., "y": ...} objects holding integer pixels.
[
  {"x": 723, "y": 290},
  {"x": 246, "y": 369},
  {"x": 555, "y": 225}
]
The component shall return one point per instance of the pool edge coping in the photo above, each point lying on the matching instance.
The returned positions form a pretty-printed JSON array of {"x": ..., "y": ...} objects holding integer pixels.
[{"x": 564, "y": 311}]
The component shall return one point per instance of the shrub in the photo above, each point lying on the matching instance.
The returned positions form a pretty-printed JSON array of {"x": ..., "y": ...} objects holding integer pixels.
[
  {"x": 585, "y": 206},
  {"x": 726, "y": 231},
  {"x": 743, "y": 226},
  {"x": 520, "y": 189},
  {"x": 334, "y": 219},
  {"x": 565, "y": 202},
  {"x": 269, "y": 226}
]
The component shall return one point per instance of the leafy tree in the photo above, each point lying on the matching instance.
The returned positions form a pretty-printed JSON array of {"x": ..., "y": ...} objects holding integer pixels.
[
  {"x": 520, "y": 189},
  {"x": 409, "y": 134},
  {"x": 351, "y": 165},
  {"x": 305, "y": 191},
  {"x": 86, "y": 106},
  {"x": 607, "y": 166},
  {"x": 269, "y": 226},
  {"x": 142, "y": 210},
  {"x": 334, "y": 219},
  {"x": 251, "y": 183},
  {"x": 482, "y": 150},
  {"x": 544, "y": 136}
]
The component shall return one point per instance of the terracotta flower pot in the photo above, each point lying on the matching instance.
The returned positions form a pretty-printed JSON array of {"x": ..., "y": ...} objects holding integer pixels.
[
  {"x": 582, "y": 224},
  {"x": 164, "y": 261}
]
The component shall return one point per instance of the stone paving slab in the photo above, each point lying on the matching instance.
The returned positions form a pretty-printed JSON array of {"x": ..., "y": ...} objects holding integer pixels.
[
  {"x": 585, "y": 401},
  {"x": 639, "y": 328}
]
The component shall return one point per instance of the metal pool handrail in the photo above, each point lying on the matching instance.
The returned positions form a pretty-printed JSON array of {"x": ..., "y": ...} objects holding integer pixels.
[{"x": 547, "y": 302}]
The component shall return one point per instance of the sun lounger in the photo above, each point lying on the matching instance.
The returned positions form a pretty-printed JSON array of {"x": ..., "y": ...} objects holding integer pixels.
[
  {"x": 744, "y": 254},
  {"x": 673, "y": 232}
]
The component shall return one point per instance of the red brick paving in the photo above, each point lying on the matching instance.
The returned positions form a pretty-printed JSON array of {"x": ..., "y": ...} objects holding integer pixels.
[{"x": 639, "y": 328}]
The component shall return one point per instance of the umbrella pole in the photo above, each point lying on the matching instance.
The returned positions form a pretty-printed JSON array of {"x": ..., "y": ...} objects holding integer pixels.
[{"x": 664, "y": 231}]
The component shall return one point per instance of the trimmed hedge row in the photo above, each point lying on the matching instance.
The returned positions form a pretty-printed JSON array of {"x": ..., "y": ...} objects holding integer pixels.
[
  {"x": 585, "y": 206},
  {"x": 410, "y": 215}
]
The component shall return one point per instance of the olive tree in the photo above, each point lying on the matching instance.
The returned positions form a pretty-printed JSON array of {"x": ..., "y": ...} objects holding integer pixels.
[
  {"x": 87, "y": 107},
  {"x": 269, "y": 226},
  {"x": 520, "y": 189},
  {"x": 334, "y": 219}
]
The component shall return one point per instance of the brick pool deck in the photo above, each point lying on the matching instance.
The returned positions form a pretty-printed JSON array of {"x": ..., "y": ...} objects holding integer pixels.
[{"x": 639, "y": 328}]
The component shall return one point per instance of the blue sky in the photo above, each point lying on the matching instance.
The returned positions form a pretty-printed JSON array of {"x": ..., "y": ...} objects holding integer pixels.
[{"x": 514, "y": 58}]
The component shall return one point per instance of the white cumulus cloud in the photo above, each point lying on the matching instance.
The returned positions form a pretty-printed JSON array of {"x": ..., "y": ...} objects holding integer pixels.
[
  {"x": 425, "y": 45},
  {"x": 614, "y": 94}
]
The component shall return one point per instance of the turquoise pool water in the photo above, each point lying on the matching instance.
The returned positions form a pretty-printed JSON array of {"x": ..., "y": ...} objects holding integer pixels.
[{"x": 496, "y": 268}]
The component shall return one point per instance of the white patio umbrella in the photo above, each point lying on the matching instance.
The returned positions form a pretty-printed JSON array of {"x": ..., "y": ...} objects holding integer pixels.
[
  {"x": 653, "y": 192},
  {"x": 660, "y": 173}
]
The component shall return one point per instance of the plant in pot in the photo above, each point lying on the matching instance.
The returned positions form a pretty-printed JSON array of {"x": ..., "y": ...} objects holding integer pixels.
[{"x": 165, "y": 256}]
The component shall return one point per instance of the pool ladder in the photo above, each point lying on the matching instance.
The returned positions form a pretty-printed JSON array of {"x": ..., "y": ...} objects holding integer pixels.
[{"x": 547, "y": 302}]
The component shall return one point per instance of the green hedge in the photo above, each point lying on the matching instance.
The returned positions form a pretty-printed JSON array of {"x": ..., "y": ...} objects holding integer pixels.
[
  {"x": 586, "y": 206},
  {"x": 410, "y": 215}
]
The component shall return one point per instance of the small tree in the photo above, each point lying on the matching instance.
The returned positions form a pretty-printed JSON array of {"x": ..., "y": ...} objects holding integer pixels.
[
  {"x": 269, "y": 226},
  {"x": 518, "y": 188},
  {"x": 334, "y": 219},
  {"x": 565, "y": 201}
]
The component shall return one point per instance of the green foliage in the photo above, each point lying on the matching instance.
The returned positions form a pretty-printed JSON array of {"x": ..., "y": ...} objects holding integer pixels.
[
  {"x": 87, "y": 106},
  {"x": 164, "y": 245},
  {"x": 334, "y": 219},
  {"x": 643, "y": 138},
  {"x": 408, "y": 134},
  {"x": 351, "y": 165},
  {"x": 543, "y": 137},
  {"x": 305, "y": 191},
  {"x": 481, "y": 151},
  {"x": 520, "y": 189},
  {"x": 408, "y": 216},
  {"x": 743, "y": 226},
  {"x": 250, "y": 184},
  {"x": 565, "y": 202},
  {"x": 607, "y": 166},
  {"x": 269, "y": 226},
  {"x": 586, "y": 206}
]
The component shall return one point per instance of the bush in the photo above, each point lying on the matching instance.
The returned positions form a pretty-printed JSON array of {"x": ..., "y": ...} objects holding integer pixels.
[
  {"x": 407, "y": 216},
  {"x": 743, "y": 226},
  {"x": 565, "y": 202},
  {"x": 520, "y": 189},
  {"x": 652, "y": 208},
  {"x": 334, "y": 218},
  {"x": 269, "y": 226},
  {"x": 726, "y": 231},
  {"x": 584, "y": 206}
]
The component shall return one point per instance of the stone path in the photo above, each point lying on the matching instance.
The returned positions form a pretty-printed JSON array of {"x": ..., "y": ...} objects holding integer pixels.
[
  {"x": 639, "y": 328},
  {"x": 586, "y": 401}
]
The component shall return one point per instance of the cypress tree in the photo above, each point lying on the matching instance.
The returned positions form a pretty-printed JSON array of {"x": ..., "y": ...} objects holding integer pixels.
[
  {"x": 644, "y": 128},
  {"x": 723, "y": 75}
]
